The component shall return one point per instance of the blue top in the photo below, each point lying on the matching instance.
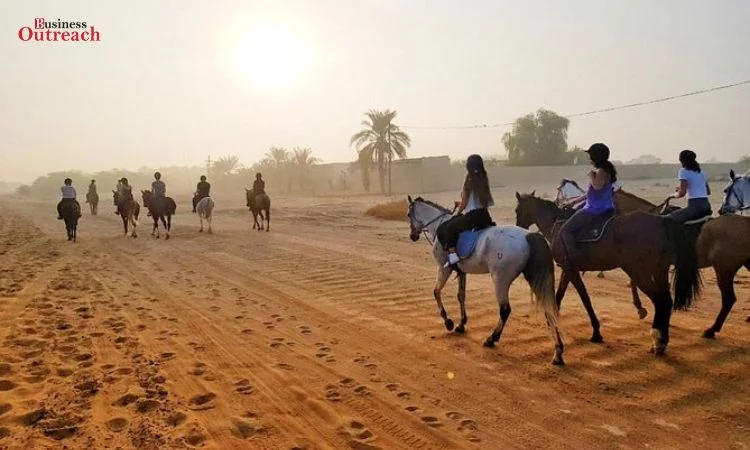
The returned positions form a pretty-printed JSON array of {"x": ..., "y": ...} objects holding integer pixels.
[
  {"x": 158, "y": 188},
  {"x": 601, "y": 201}
]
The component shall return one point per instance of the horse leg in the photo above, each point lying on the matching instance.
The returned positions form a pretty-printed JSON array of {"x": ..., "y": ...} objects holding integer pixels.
[
  {"x": 502, "y": 286},
  {"x": 747, "y": 266},
  {"x": 167, "y": 224},
  {"x": 442, "y": 278},
  {"x": 725, "y": 280},
  {"x": 262, "y": 219},
  {"x": 600, "y": 275},
  {"x": 461, "y": 328},
  {"x": 210, "y": 219},
  {"x": 200, "y": 216},
  {"x": 268, "y": 220},
  {"x": 575, "y": 278},
  {"x": 642, "y": 312},
  {"x": 654, "y": 282},
  {"x": 561, "y": 288}
]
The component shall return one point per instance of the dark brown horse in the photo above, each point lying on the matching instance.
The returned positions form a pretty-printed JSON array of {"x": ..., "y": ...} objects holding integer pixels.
[
  {"x": 641, "y": 244},
  {"x": 129, "y": 211},
  {"x": 258, "y": 203},
  {"x": 163, "y": 209}
]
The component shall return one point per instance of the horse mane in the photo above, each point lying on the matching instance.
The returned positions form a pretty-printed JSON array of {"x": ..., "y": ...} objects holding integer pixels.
[
  {"x": 433, "y": 204},
  {"x": 633, "y": 196}
]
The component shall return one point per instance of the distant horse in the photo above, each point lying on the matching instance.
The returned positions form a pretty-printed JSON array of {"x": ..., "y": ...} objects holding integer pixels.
[
  {"x": 92, "y": 198},
  {"x": 205, "y": 210},
  {"x": 162, "y": 209},
  {"x": 257, "y": 204},
  {"x": 641, "y": 244},
  {"x": 129, "y": 211},
  {"x": 70, "y": 213},
  {"x": 504, "y": 252}
]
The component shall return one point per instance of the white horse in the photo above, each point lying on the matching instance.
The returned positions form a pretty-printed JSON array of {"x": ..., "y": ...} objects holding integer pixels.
[
  {"x": 205, "y": 210},
  {"x": 737, "y": 195},
  {"x": 504, "y": 252}
]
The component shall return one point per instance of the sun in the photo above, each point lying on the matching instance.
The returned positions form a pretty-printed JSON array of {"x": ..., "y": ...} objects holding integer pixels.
[{"x": 272, "y": 58}]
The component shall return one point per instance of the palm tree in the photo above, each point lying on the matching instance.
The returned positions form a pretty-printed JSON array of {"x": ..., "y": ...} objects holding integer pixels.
[
  {"x": 378, "y": 142},
  {"x": 279, "y": 159},
  {"x": 301, "y": 160},
  {"x": 226, "y": 165}
]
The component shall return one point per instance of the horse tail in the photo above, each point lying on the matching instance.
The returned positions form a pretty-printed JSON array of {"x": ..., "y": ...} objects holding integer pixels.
[
  {"x": 540, "y": 274},
  {"x": 687, "y": 280}
]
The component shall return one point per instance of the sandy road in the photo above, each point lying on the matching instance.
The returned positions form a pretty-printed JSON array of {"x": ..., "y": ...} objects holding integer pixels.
[{"x": 323, "y": 334}]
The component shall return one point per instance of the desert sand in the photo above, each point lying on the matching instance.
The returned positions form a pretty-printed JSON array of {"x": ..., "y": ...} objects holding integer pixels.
[{"x": 323, "y": 334}]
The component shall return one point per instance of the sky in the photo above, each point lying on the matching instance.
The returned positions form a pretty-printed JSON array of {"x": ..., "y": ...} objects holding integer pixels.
[{"x": 172, "y": 81}]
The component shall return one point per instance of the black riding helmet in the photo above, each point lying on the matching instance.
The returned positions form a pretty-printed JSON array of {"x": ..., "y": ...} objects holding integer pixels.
[
  {"x": 68, "y": 181},
  {"x": 598, "y": 152},
  {"x": 203, "y": 178},
  {"x": 157, "y": 175},
  {"x": 475, "y": 164},
  {"x": 687, "y": 156}
]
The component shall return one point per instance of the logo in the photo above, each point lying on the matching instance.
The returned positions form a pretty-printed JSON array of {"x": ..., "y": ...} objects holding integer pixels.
[{"x": 58, "y": 31}]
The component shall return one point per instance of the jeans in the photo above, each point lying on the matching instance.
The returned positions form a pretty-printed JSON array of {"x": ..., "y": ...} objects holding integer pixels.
[
  {"x": 447, "y": 232},
  {"x": 696, "y": 208}
]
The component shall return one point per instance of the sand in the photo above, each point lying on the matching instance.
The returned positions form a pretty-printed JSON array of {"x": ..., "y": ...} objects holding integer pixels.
[{"x": 323, "y": 334}]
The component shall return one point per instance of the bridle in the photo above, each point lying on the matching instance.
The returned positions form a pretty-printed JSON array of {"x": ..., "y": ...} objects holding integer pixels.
[
  {"x": 731, "y": 209},
  {"x": 423, "y": 226}
]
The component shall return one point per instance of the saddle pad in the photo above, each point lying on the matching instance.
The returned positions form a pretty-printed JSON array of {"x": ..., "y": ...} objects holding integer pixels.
[{"x": 467, "y": 242}]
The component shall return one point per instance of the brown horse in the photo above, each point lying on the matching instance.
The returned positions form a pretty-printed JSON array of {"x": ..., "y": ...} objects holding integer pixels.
[
  {"x": 257, "y": 204},
  {"x": 160, "y": 208},
  {"x": 641, "y": 244},
  {"x": 723, "y": 243},
  {"x": 129, "y": 210}
]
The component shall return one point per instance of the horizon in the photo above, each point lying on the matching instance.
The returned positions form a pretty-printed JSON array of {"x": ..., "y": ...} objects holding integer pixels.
[{"x": 171, "y": 83}]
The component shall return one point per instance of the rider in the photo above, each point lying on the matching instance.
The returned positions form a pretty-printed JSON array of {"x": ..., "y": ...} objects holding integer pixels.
[
  {"x": 203, "y": 190},
  {"x": 259, "y": 187},
  {"x": 475, "y": 199},
  {"x": 68, "y": 195},
  {"x": 124, "y": 192},
  {"x": 599, "y": 201},
  {"x": 693, "y": 183},
  {"x": 92, "y": 188},
  {"x": 158, "y": 192}
]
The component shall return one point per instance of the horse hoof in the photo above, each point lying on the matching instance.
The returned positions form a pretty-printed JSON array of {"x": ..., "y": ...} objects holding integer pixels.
[
  {"x": 642, "y": 313},
  {"x": 558, "y": 361},
  {"x": 709, "y": 334},
  {"x": 489, "y": 343},
  {"x": 600, "y": 275},
  {"x": 449, "y": 324},
  {"x": 200, "y": 231},
  {"x": 460, "y": 329},
  {"x": 166, "y": 238},
  {"x": 597, "y": 338},
  {"x": 660, "y": 350}
]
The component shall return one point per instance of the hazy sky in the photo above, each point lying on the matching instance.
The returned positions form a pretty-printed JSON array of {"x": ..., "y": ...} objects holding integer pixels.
[{"x": 162, "y": 87}]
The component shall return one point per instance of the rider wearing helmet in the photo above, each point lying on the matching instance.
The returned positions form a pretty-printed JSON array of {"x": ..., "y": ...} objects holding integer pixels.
[
  {"x": 158, "y": 193},
  {"x": 599, "y": 201},
  {"x": 202, "y": 190},
  {"x": 259, "y": 186},
  {"x": 68, "y": 195},
  {"x": 472, "y": 212}
]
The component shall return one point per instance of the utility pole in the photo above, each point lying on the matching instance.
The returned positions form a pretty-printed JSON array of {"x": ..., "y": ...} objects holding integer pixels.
[
  {"x": 390, "y": 157},
  {"x": 208, "y": 164}
]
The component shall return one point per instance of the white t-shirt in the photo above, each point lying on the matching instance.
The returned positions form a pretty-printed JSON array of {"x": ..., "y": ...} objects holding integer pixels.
[
  {"x": 68, "y": 192},
  {"x": 696, "y": 183},
  {"x": 473, "y": 203}
]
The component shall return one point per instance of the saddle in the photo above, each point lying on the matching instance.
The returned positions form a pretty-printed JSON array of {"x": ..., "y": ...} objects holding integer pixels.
[
  {"x": 467, "y": 241},
  {"x": 596, "y": 229}
]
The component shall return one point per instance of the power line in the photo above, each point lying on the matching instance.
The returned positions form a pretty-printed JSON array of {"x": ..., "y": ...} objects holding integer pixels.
[{"x": 588, "y": 113}]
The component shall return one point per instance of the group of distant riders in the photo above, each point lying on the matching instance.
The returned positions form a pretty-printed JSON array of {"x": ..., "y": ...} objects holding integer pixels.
[{"x": 158, "y": 191}]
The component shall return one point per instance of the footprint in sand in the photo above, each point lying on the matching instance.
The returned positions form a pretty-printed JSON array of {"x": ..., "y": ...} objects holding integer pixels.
[
  {"x": 362, "y": 390},
  {"x": 202, "y": 402},
  {"x": 126, "y": 399},
  {"x": 7, "y": 385},
  {"x": 214, "y": 308},
  {"x": 5, "y": 407},
  {"x": 166, "y": 356},
  {"x": 117, "y": 424},
  {"x": 304, "y": 329},
  {"x": 403, "y": 395},
  {"x": 412, "y": 408},
  {"x": 431, "y": 421},
  {"x": 393, "y": 387},
  {"x": 247, "y": 331},
  {"x": 347, "y": 382},
  {"x": 146, "y": 406},
  {"x": 358, "y": 433},
  {"x": 243, "y": 387},
  {"x": 332, "y": 394},
  {"x": 5, "y": 369},
  {"x": 175, "y": 419},
  {"x": 244, "y": 428},
  {"x": 277, "y": 342}
]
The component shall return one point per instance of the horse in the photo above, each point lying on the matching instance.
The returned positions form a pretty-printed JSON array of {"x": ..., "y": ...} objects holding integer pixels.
[
  {"x": 504, "y": 252},
  {"x": 625, "y": 202},
  {"x": 92, "y": 198},
  {"x": 641, "y": 244},
  {"x": 205, "y": 210},
  {"x": 737, "y": 195},
  {"x": 257, "y": 204},
  {"x": 70, "y": 213},
  {"x": 129, "y": 211},
  {"x": 163, "y": 210}
]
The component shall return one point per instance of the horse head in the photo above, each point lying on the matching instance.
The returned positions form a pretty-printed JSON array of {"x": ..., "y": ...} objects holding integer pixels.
[
  {"x": 736, "y": 195},
  {"x": 423, "y": 215},
  {"x": 530, "y": 210}
]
